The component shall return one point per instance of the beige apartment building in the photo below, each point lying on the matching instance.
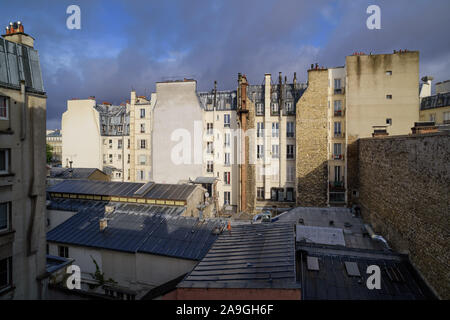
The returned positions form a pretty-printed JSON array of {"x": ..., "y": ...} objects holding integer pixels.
[
  {"x": 269, "y": 146},
  {"x": 54, "y": 140},
  {"x": 22, "y": 168}
]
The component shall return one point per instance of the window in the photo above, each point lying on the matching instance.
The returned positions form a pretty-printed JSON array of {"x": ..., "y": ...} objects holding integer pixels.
[
  {"x": 274, "y": 108},
  {"x": 226, "y": 120},
  {"x": 119, "y": 157},
  {"x": 260, "y": 193},
  {"x": 389, "y": 96},
  {"x": 337, "y": 174},
  {"x": 337, "y": 129},
  {"x": 337, "y": 107},
  {"x": 128, "y": 144},
  {"x": 389, "y": 121},
  {"x": 227, "y": 159},
  {"x": 227, "y": 178},
  {"x": 289, "y": 107},
  {"x": 110, "y": 158},
  {"x": 4, "y": 161},
  {"x": 4, "y": 216},
  {"x": 209, "y": 167},
  {"x": 446, "y": 117},
  {"x": 5, "y": 273},
  {"x": 337, "y": 84},
  {"x": 289, "y": 194},
  {"x": 141, "y": 175},
  {"x": 142, "y": 128},
  {"x": 432, "y": 118},
  {"x": 259, "y": 109},
  {"x": 290, "y": 129},
  {"x": 275, "y": 130},
  {"x": 63, "y": 251},
  {"x": 389, "y": 73},
  {"x": 128, "y": 160},
  {"x": 143, "y": 144},
  {"x": 118, "y": 175},
  {"x": 209, "y": 148},
  {"x": 142, "y": 113},
  {"x": 259, "y": 151},
  {"x": 290, "y": 174},
  {"x": 337, "y": 150},
  {"x": 110, "y": 143},
  {"x": 260, "y": 129},
  {"x": 209, "y": 129},
  {"x": 119, "y": 144},
  {"x": 290, "y": 151},
  {"x": 4, "y": 108},
  {"x": 226, "y": 197},
  {"x": 119, "y": 128},
  {"x": 227, "y": 142},
  {"x": 275, "y": 151},
  {"x": 142, "y": 159}
]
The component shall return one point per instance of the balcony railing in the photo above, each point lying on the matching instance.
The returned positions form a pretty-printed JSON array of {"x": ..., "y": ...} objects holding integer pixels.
[
  {"x": 337, "y": 197},
  {"x": 337, "y": 186},
  {"x": 337, "y": 157},
  {"x": 339, "y": 113},
  {"x": 339, "y": 91},
  {"x": 339, "y": 134}
]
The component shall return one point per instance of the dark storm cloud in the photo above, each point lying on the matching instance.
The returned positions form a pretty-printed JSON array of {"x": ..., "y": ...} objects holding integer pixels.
[{"x": 133, "y": 44}]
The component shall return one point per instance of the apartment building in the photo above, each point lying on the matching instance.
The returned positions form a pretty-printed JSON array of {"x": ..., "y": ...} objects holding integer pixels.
[
  {"x": 54, "y": 140},
  {"x": 382, "y": 92},
  {"x": 436, "y": 108},
  {"x": 22, "y": 167}
]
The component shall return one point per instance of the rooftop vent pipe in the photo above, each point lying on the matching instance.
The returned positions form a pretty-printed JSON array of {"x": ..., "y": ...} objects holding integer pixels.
[{"x": 376, "y": 236}]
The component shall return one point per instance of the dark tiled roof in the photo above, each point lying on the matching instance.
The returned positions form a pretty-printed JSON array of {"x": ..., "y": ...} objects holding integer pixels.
[
  {"x": 124, "y": 189},
  {"x": 399, "y": 280},
  {"x": 138, "y": 228},
  {"x": 19, "y": 62},
  {"x": 71, "y": 173},
  {"x": 251, "y": 256},
  {"x": 436, "y": 101},
  {"x": 225, "y": 100}
]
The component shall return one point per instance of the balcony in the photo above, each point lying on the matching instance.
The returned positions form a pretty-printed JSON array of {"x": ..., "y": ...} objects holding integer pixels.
[
  {"x": 339, "y": 134},
  {"x": 337, "y": 186},
  {"x": 339, "y": 91},
  {"x": 339, "y": 113},
  {"x": 337, "y": 157}
]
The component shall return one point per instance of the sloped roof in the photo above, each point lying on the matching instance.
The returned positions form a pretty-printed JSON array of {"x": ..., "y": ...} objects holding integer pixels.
[
  {"x": 138, "y": 228},
  {"x": 72, "y": 173}
]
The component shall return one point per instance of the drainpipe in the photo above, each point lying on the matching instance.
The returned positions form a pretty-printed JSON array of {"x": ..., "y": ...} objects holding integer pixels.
[{"x": 375, "y": 236}]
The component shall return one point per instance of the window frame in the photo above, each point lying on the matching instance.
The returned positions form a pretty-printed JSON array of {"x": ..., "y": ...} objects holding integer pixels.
[
  {"x": 5, "y": 106},
  {"x": 8, "y": 272},
  {"x": 65, "y": 251},
  {"x": 7, "y": 158},
  {"x": 8, "y": 217}
]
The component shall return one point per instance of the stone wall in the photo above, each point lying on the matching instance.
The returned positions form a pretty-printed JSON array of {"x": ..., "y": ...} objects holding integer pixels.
[
  {"x": 404, "y": 190},
  {"x": 312, "y": 139}
]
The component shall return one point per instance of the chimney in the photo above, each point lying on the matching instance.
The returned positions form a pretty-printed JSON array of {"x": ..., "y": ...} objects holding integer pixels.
[
  {"x": 15, "y": 33},
  {"x": 295, "y": 78},
  {"x": 424, "y": 127},
  {"x": 103, "y": 224},
  {"x": 425, "y": 91}
]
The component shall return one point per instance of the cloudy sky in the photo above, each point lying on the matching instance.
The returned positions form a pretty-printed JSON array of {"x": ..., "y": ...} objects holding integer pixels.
[{"x": 125, "y": 44}]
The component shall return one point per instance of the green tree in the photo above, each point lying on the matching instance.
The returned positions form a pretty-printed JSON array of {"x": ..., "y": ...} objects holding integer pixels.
[{"x": 49, "y": 153}]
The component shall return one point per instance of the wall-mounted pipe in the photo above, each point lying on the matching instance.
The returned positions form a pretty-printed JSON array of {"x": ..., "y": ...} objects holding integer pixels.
[{"x": 375, "y": 236}]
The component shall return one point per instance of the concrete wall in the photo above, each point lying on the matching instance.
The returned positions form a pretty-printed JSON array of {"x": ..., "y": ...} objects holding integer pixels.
[
  {"x": 177, "y": 112},
  {"x": 312, "y": 140},
  {"x": 404, "y": 191},
  {"x": 24, "y": 187},
  {"x": 83, "y": 147}
]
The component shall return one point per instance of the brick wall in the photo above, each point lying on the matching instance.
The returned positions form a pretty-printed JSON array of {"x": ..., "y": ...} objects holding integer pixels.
[
  {"x": 404, "y": 190},
  {"x": 311, "y": 137}
]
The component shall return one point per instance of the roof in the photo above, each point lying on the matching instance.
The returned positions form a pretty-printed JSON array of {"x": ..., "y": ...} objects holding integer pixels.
[
  {"x": 317, "y": 225},
  {"x": 205, "y": 180},
  {"x": 436, "y": 101},
  {"x": 72, "y": 173},
  {"x": 251, "y": 256},
  {"x": 136, "y": 228},
  {"x": 124, "y": 189},
  {"x": 20, "y": 63},
  {"x": 342, "y": 275}
]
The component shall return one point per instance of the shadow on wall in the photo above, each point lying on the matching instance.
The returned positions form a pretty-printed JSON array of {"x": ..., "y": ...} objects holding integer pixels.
[{"x": 312, "y": 187}]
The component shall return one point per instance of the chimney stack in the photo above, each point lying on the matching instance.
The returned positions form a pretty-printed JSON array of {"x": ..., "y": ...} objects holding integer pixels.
[
  {"x": 15, "y": 33},
  {"x": 103, "y": 224},
  {"x": 295, "y": 78},
  {"x": 379, "y": 131},
  {"x": 424, "y": 127}
]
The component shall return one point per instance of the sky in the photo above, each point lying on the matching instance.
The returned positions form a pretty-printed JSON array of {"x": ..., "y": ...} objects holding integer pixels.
[{"x": 131, "y": 44}]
